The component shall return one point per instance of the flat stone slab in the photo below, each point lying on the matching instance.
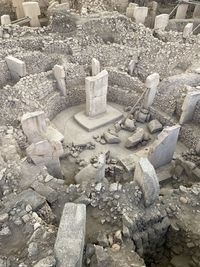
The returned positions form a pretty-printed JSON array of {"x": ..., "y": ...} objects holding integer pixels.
[
  {"x": 70, "y": 239},
  {"x": 93, "y": 123}
]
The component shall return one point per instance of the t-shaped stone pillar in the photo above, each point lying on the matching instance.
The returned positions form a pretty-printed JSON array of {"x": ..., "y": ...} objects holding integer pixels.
[
  {"x": 96, "y": 94},
  {"x": 151, "y": 83},
  {"x": 59, "y": 74},
  {"x": 17, "y": 4},
  {"x": 5, "y": 20},
  {"x": 32, "y": 10},
  {"x": 181, "y": 11}
]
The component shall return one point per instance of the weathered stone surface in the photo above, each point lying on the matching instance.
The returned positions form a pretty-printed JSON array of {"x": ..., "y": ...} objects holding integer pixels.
[
  {"x": 129, "y": 162},
  {"x": 45, "y": 153},
  {"x": 32, "y": 198},
  {"x": 90, "y": 172},
  {"x": 46, "y": 262},
  {"x": 5, "y": 20},
  {"x": 181, "y": 11},
  {"x": 59, "y": 74},
  {"x": 162, "y": 150},
  {"x": 135, "y": 138},
  {"x": 32, "y": 10},
  {"x": 71, "y": 236},
  {"x": 17, "y": 4},
  {"x": 154, "y": 126},
  {"x": 111, "y": 139},
  {"x": 146, "y": 177},
  {"x": 34, "y": 126},
  {"x": 196, "y": 13},
  {"x": 96, "y": 68},
  {"x": 152, "y": 82},
  {"x": 86, "y": 174},
  {"x": 129, "y": 125},
  {"x": 161, "y": 22},
  {"x": 140, "y": 14},
  {"x": 188, "y": 106},
  {"x": 130, "y": 10},
  {"x": 96, "y": 94},
  {"x": 16, "y": 66},
  {"x": 188, "y": 30},
  {"x": 46, "y": 191}
]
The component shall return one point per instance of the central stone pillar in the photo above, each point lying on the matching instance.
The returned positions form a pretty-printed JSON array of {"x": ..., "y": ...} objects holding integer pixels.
[
  {"x": 96, "y": 94},
  {"x": 97, "y": 113},
  {"x": 32, "y": 10}
]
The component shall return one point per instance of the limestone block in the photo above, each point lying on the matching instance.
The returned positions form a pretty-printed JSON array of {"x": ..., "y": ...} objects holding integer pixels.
[
  {"x": 152, "y": 82},
  {"x": 16, "y": 66},
  {"x": 96, "y": 93},
  {"x": 111, "y": 138},
  {"x": 188, "y": 30},
  {"x": 34, "y": 126},
  {"x": 96, "y": 68},
  {"x": 5, "y": 20},
  {"x": 90, "y": 172},
  {"x": 181, "y": 11},
  {"x": 196, "y": 13},
  {"x": 140, "y": 14},
  {"x": 154, "y": 126},
  {"x": 161, "y": 22},
  {"x": 96, "y": 106},
  {"x": 17, "y": 4},
  {"x": 130, "y": 10},
  {"x": 59, "y": 74},
  {"x": 44, "y": 153},
  {"x": 135, "y": 138},
  {"x": 101, "y": 168},
  {"x": 32, "y": 10},
  {"x": 162, "y": 150},
  {"x": 70, "y": 238},
  {"x": 147, "y": 179},
  {"x": 189, "y": 106},
  {"x": 86, "y": 174}
]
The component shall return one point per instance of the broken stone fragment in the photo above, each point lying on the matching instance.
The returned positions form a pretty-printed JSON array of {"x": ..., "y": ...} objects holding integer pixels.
[
  {"x": 101, "y": 258},
  {"x": 46, "y": 191},
  {"x": 146, "y": 178},
  {"x": 135, "y": 139},
  {"x": 154, "y": 126},
  {"x": 129, "y": 125},
  {"x": 46, "y": 262},
  {"x": 111, "y": 139}
]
